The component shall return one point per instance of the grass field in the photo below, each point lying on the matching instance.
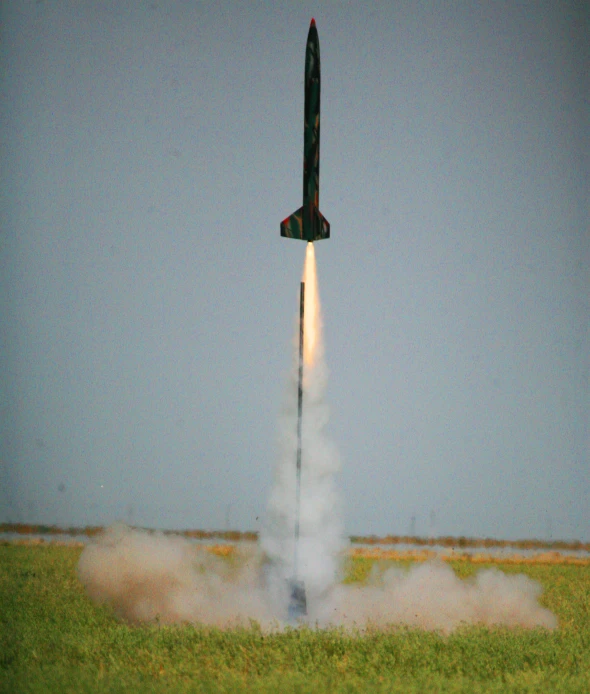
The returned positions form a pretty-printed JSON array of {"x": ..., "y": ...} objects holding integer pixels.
[{"x": 53, "y": 639}]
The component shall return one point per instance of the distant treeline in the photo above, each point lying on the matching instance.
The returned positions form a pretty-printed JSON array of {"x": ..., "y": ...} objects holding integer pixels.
[
  {"x": 238, "y": 536},
  {"x": 90, "y": 530},
  {"x": 462, "y": 541}
]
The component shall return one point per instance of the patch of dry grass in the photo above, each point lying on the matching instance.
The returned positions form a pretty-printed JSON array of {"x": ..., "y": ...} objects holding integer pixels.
[{"x": 550, "y": 557}]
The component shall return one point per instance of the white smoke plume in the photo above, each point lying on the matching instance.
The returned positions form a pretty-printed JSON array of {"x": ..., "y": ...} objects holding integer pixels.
[
  {"x": 150, "y": 576},
  {"x": 321, "y": 539},
  {"x": 431, "y": 596}
]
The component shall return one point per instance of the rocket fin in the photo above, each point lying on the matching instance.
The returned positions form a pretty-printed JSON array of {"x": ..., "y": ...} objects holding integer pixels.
[
  {"x": 293, "y": 227},
  {"x": 321, "y": 226}
]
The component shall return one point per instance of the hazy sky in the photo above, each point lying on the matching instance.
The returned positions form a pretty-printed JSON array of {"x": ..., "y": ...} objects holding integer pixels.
[{"x": 148, "y": 303}]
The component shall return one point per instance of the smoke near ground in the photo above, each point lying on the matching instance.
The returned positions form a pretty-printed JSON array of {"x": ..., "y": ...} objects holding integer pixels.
[
  {"x": 430, "y": 596},
  {"x": 147, "y": 576}
]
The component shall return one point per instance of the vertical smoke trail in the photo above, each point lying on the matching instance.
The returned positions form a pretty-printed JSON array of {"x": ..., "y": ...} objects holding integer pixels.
[{"x": 320, "y": 519}]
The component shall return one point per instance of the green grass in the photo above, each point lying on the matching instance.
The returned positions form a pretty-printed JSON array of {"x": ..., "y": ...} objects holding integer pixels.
[{"x": 53, "y": 639}]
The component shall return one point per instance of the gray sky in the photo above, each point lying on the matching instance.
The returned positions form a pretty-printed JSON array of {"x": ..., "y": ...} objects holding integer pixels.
[{"x": 148, "y": 303}]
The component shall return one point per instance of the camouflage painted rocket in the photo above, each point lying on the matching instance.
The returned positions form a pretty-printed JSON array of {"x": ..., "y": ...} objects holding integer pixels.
[{"x": 308, "y": 223}]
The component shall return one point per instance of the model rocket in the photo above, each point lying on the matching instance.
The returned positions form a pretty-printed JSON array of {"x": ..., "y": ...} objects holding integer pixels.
[{"x": 308, "y": 223}]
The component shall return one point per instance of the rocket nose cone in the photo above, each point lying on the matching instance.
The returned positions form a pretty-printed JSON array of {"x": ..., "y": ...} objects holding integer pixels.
[{"x": 312, "y": 22}]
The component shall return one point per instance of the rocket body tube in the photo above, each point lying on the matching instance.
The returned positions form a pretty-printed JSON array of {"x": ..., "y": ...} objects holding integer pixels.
[{"x": 308, "y": 223}]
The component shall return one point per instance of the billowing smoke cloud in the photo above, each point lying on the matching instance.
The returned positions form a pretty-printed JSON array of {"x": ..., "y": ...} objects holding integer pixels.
[
  {"x": 431, "y": 596},
  {"x": 147, "y": 576}
]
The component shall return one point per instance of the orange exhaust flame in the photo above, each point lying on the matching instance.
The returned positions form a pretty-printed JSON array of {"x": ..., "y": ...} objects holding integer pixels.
[{"x": 312, "y": 320}]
